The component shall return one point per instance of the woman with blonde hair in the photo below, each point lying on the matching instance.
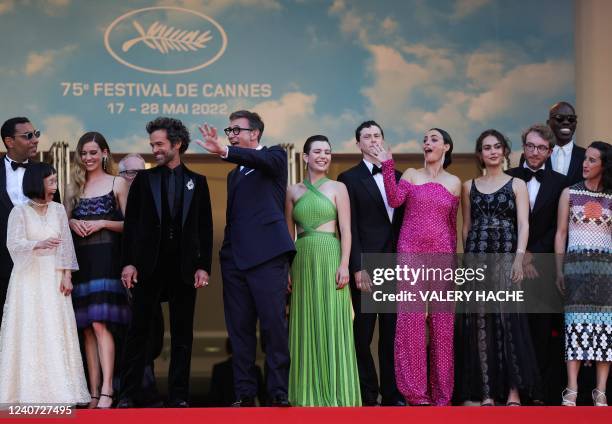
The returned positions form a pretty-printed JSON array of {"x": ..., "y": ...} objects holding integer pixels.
[{"x": 96, "y": 204}]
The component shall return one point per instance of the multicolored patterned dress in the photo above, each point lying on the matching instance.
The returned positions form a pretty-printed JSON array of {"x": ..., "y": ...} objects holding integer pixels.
[
  {"x": 98, "y": 294},
  {"x": 588, "y": 276}
]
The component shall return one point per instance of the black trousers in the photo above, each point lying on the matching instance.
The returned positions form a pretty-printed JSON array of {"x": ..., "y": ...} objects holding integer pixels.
[
  {"x": 363, "y": 329},
  {"x": 257, "y": 293},
  {"x": 146, "y": 298}
]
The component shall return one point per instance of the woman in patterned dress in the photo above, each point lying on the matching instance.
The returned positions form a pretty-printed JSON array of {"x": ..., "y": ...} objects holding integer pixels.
[
  {"x": 585, "y": 224},
  {"x": 95, "y": 206}
]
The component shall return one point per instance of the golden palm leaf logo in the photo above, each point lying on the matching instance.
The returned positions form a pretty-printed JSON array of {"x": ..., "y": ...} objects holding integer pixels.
[
  {"x": 200, "y": 39},
  {"x": 165, "y": 39}
]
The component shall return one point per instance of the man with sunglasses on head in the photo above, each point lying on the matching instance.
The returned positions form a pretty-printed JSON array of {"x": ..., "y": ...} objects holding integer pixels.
[
  {"x": 255, "y": 254},
  {"x": 21, "y": 141},
  {"x": 566, "y": 156}
]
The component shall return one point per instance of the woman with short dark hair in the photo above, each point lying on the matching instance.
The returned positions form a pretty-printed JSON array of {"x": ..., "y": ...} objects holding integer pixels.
[{"x": 40, "y": 358}]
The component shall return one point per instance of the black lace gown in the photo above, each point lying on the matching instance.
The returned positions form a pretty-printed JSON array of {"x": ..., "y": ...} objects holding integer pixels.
[{"x": 494, "y": 351}]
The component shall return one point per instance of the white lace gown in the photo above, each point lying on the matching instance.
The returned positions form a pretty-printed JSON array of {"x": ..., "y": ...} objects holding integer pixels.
[{"x": 40, "y": 359}]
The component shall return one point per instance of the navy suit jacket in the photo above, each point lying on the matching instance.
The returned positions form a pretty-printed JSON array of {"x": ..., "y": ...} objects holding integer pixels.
[{"x": 255, "y": 228}]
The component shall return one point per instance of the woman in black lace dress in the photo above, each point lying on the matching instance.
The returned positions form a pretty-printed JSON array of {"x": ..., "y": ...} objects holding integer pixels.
[
  {"x": 95, "y": 204},
  {"x": 495, "y": 358}
]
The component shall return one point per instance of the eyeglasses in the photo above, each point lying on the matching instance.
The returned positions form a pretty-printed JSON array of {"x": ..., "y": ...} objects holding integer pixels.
[
  {"x": 235, "y": 130},
  {"x": 541, "y": 148},
  {"x": 572, "y": 119},
  {"x": 29, "y": 135},
  {"x": 129, "y": 172}
]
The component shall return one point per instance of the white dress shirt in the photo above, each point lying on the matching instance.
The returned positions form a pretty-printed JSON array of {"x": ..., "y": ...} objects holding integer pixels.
[
  {"x": 378, "y": 179},
  {"x": 533, "y": 185},
  {"x": 14, "y": 182},
  {"x": 566, "y": 157}
]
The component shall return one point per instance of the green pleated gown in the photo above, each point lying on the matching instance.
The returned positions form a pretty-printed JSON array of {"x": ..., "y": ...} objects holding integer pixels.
[{"x": 323, "y": 363}]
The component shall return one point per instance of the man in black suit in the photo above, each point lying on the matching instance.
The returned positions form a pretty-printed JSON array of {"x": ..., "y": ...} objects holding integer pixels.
[
  {"x": 374, "y": 227},
  {"x": 544, "y": 186},
  {"x": 255, "y": 254},
  {"x": 167, "y": 247},
  {"x": 566, "y": 156},
  {"x": 21, "y": 142}
]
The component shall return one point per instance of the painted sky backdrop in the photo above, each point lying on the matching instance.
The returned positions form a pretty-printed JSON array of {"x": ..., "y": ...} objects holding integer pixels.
[{"x": 462, "y": 65}]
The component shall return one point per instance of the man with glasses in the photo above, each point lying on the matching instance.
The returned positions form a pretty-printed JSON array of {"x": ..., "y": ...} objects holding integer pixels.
[
  {"x": 544, "y": 186},
  {"x": 130, "y": 165},
  {"x": 255, "y": 254},
  {"x": 21, "y": 141},
  {"x": 566, "y": 156}
]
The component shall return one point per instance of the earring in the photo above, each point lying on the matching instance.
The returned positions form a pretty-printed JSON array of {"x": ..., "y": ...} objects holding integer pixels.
[{"x": 104, "y": 160}]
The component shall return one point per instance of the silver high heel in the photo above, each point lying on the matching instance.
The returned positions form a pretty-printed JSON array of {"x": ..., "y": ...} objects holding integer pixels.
[
  {"x": 599, "y": 398},
  {"x": 566, "y": 397}
]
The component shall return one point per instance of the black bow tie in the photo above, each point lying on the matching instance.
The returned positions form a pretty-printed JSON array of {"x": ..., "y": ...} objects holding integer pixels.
[
  {"x": 376, "y": 170},
  {"x": 16, "y": 165},
  {"x": 528, "y": 174}
]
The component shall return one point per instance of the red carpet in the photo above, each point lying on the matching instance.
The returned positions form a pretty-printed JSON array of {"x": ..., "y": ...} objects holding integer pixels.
[{"x": 449, "y": 415}]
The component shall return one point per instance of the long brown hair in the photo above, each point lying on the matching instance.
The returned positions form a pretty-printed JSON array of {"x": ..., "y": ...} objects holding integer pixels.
[{"x": 78, "y": 174}]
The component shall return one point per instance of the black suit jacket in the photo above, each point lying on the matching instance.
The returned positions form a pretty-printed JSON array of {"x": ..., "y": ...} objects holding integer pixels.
[
  {"x": 543, "y": 216},
  {"x": 574, "y": 172},
  {"x": 255, "y": 229},
  {"x": 6, "y": 206},
  {"x": 142, "y": 226},
  {"x": 371, "y": 230}
]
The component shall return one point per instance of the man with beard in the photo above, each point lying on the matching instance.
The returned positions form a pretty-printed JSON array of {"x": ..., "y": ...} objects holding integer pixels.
[
  {"x": 167, "y": 248},
  {"x": 544, "y": 186}
]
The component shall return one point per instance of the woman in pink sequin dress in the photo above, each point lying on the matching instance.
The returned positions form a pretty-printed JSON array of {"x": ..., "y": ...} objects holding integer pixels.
[{"x": 431, "y": 196}]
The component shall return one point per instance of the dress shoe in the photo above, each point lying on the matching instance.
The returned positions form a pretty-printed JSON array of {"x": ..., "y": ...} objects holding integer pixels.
[
  {"x": 281, "y": 401},
  {"x": 177, "y": 403},
  {"x": 126, "y": 403},
  {"x": 370, "y": 402},
  {"x": 246, "y": 402}
]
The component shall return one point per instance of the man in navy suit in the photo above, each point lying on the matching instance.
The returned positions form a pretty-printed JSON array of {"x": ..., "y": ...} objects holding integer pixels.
[{"x": 255, "y": 254}]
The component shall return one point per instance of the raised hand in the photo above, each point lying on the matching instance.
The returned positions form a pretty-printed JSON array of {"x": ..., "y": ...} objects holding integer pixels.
[
  {"x": 211, "y": 140},
  {"x": 381, "y": 153}
]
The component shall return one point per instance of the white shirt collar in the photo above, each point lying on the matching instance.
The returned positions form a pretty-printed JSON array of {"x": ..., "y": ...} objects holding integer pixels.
[
  {"x": 370, "y": 165},
  {"x": 7, "y": 157},
  {"x": 566, "y": 148},
  {"x": 527, "y": 166}
]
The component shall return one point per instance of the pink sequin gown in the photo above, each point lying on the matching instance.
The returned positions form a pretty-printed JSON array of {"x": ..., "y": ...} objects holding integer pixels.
[{"x": 429, "y": 227}]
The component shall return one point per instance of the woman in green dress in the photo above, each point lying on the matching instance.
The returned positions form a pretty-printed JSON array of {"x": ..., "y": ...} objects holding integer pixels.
[{"x": 323, "y": 363}]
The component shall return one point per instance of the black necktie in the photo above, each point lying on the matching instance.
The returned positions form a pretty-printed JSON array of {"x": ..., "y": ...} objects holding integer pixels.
[
  {"x": 171, "y": 190},
  {"x": 376, "y": 170},
  {"x": 528, "y": 174},
  {"x": 16, "y": 165}
]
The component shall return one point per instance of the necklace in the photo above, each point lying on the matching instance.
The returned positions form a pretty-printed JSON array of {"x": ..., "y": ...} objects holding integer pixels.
[{"x": 38, "y": 205}]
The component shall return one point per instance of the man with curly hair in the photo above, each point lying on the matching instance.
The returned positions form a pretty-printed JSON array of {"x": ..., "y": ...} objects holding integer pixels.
[{"x": 167, "y": 248}]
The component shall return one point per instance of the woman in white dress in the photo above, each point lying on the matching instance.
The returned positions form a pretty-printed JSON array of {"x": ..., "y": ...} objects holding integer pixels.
[{"x": 40, "y": 359}]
